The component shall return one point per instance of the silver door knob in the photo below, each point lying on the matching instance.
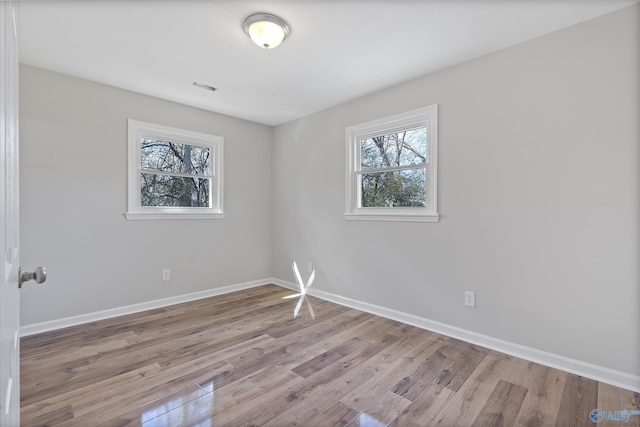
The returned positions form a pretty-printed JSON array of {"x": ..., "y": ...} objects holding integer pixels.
[{"x": 39, "y": 275}]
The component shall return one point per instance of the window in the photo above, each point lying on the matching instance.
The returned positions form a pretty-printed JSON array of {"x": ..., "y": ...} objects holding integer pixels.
[
  {"x": 392, "y": 168},
  {"x": 173, "y": 173}
]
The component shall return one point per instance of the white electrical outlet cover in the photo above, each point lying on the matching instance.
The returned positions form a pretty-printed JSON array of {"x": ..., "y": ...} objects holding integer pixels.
[{"x": 470, "y": 299}]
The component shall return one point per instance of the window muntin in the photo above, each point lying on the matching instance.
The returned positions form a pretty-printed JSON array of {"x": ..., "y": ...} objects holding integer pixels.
[
  {"x": 173, "y": 173},
  {"x": 392, "y": 168}
]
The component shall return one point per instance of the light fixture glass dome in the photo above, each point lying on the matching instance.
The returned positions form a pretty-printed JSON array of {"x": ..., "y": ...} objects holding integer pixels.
[{"x": 266, "y": 30}]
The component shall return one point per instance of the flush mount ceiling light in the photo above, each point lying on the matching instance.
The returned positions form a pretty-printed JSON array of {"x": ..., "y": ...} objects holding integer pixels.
[{"x": 266, "y": 30}]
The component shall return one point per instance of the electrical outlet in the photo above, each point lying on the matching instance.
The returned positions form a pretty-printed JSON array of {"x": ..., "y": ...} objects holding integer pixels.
[
  {"x": 166, "y": 274},
  {"x": 309, "y": 267},
  {"x": 470, "y": 299}
]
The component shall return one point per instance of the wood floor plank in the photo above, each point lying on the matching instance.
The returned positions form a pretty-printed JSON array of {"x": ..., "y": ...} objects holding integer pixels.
[
  {"x": 370, "y": 333},
  {"x": 286, "y": 348},
  {"x": 502, "y": 407},
  {"x": 152, "y": 387},
  {"x": 465, "y": 405},
  {"x": 382, "y": 411},
  {"x": 463, "y": 365},
  {"x": 613, "y": 399},
  {"x": 542, "y": 402},
  {"x": 153, "y": 412},
  {"x": 424, "y": 408},
  {"x": 31, "y": 412},
  {"x": 319, "y": 391},
  {"x": 243, "y": 359},
  {"x": 327, "y": 358},
  {"x": 149, "y": 321},
  {"x": 436, "y": 365},
  {"x": 242, "y": 399},
  {"x": 391, "y": 367},
  {"x": 337, "y": 414},
  {"x": 51, "y": 417},
  {"x": 579, "y": 398}
]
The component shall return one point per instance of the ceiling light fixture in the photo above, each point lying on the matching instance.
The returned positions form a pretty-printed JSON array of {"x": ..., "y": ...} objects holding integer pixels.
[{"x": 266, "y": 30}]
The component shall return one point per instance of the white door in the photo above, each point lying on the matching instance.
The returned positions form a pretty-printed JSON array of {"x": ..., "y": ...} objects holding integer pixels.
[{"x": 9, "y": 254}]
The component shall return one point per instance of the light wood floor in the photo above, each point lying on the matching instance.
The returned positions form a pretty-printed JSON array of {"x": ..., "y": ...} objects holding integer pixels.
[{"x": 242, "y": 359}]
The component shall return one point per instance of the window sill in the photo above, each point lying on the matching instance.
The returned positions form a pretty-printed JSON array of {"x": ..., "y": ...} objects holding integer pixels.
[
  {"x": 167, "y": 215},
  {"x": 387, "y": 216}
]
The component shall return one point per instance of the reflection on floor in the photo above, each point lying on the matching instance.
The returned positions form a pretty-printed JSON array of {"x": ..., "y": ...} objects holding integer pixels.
[
  {"x": 180, "y": 408},
  {"x": 242, "y": 359},
  {"x": 185, "y": 408}
]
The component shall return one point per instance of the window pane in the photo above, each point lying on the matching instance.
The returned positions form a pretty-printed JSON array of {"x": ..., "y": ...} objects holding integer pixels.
[
  {"x": 395, "y": 149},
  {"x": 174, "y": 157},
  {"x": 167, "y": 190},
  {"x": 394, "y": 189}
]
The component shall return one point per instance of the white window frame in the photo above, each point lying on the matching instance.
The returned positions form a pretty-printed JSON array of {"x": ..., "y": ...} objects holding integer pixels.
[
  {"x": 427, "y": 117},
  {"x": 138, "y": 130}
]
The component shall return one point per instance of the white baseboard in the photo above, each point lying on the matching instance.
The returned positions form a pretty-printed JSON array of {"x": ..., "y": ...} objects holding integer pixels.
[
  {"x": 578, "y": 367},
  {"x": 51, "y": 325}
]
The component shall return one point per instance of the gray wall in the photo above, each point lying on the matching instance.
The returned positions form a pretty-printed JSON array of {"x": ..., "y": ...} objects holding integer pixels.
[
  {"x": 538, "y": 196},
  {"x": 73, "y": 196}
]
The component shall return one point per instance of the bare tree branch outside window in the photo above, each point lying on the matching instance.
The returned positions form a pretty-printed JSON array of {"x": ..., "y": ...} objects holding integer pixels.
[
  {"x": 394, "y": 169},
  {"x": 174, "y": 174}
]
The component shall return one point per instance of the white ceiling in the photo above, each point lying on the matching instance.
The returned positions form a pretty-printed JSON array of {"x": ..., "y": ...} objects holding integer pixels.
[{"x": 337, "y": 50}]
